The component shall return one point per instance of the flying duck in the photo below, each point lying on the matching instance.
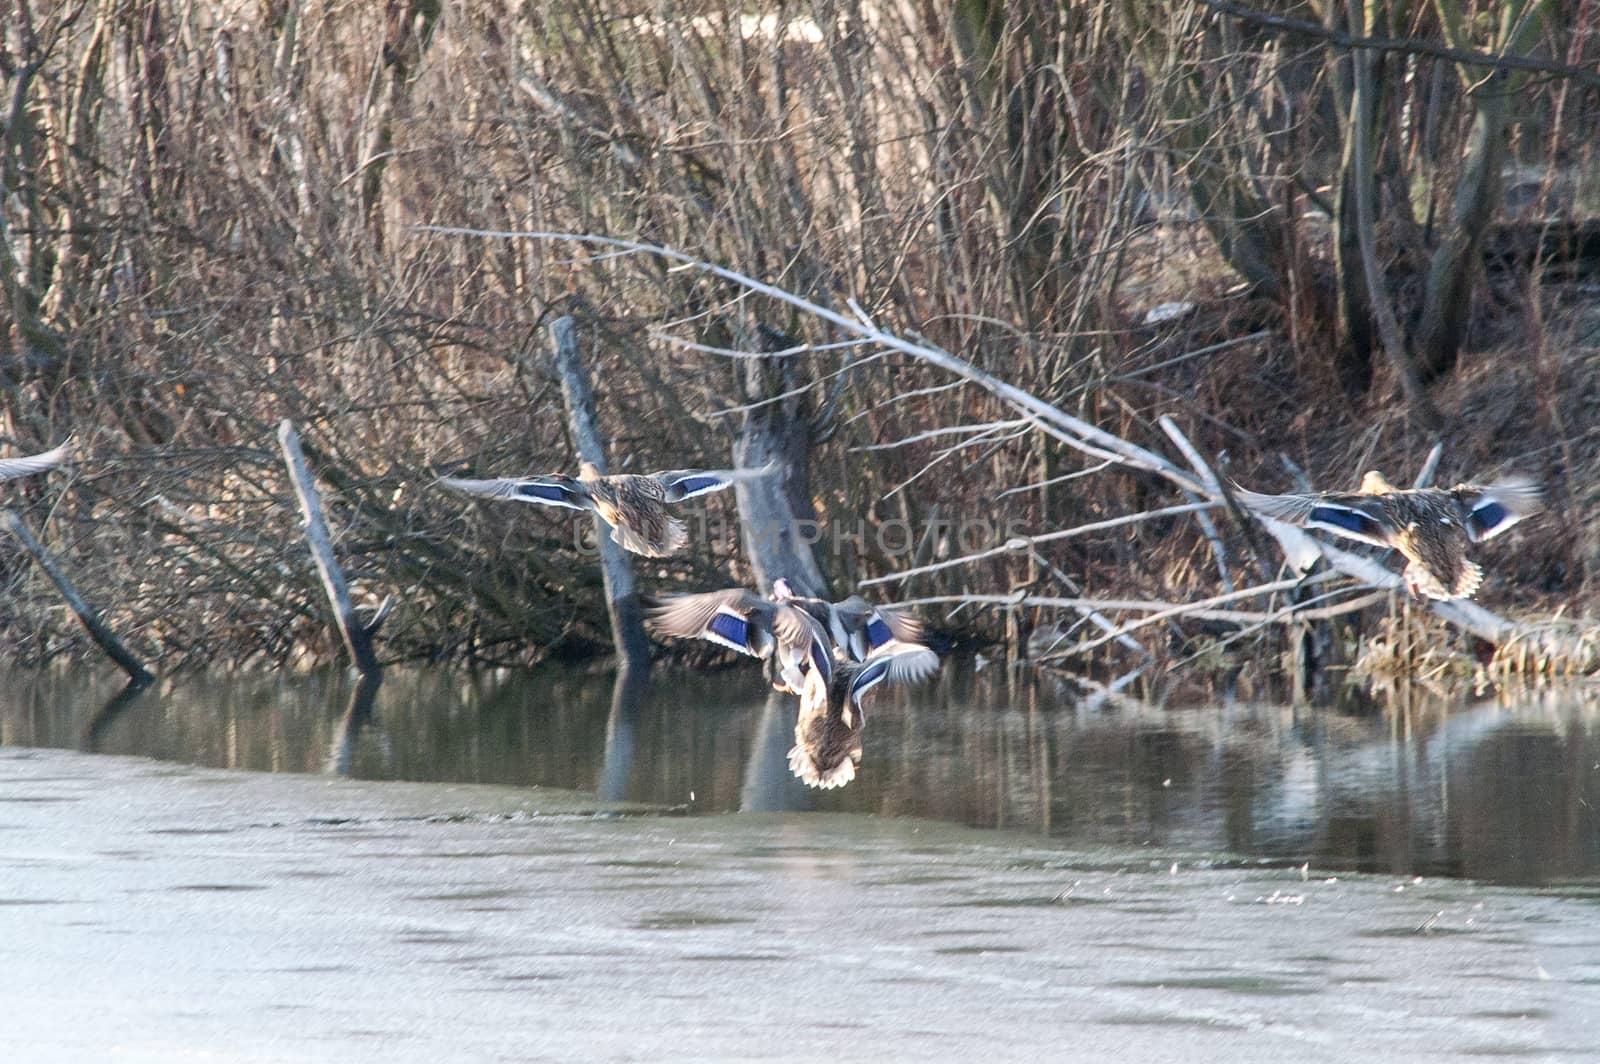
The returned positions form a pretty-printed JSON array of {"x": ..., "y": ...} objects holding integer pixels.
[
  {"x": 1431, "y": 527},
  {"x": 855, "y": 625},
  {"x": 827, "y": 733},
  {"x": 633, "y": 504},
  {"x": 744, "y": 621}
]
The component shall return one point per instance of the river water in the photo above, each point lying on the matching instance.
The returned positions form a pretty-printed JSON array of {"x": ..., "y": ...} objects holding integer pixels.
[{"x": 1501, "y": 789}]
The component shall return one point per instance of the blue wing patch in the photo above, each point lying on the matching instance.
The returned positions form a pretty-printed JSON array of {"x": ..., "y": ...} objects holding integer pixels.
[
  {"x": 693, "y": 485},
  {"x": 878, "y": 633},
  {"x": 547, "y": 492},
  {"x": 1487, "y": 515},
  {"x": 870, "y": 675},
  {"x": 819, "y": 659},
  {"x": 1350, "y": 520},
  {"x": 734, "y": 629}
]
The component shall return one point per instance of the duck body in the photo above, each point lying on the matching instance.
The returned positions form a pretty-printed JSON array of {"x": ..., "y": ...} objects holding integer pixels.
[
  {"x": 827, "y": 732},
  {"x": 1431, "y": 527},
  {"x": 634, "y": 505},
  {"x": 12, "y": 468}
]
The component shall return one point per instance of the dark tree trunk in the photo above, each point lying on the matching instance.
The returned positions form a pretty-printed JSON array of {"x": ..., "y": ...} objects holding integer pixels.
[{"x": 778, "y": 522}]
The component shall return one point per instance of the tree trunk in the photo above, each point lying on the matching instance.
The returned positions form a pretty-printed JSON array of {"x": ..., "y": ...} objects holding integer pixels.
[
  {"x": 777, "y": 521},
  {"x": 1447, "y": 305},
  {"x": 622, "y": 601}
]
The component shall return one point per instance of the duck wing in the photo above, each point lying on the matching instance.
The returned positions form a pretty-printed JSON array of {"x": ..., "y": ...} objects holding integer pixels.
[
  {"x": 1357, "y": 517},
  {"x": 870, "y": 627},
  {"x": 680, "y": 484},
  {"x": 1493, "y": 509},
  {"x": 555, "y": 490},
  {"x": 11, "y": 468},
  {"x": 737, "y": 619},
  {"x": 894, "y": 663}
]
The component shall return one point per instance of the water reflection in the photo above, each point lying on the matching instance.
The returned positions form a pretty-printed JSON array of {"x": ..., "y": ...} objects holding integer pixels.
[{"x": 1503, "y": 790}]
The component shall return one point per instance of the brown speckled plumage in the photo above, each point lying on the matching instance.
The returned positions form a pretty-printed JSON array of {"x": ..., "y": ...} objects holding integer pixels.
[
  {"x": 827, "y": 732},
  {"x": 1431, "y": 527},
  {"x": 633, "y": 504}
]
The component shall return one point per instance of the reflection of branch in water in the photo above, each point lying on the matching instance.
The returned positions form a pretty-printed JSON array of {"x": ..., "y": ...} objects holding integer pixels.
[
  {"x": 342, "y": 751},
  {"x": 616, "y": 770},
  {"x": 116, "y": 705},
  {"x": 769, "y": 786}
]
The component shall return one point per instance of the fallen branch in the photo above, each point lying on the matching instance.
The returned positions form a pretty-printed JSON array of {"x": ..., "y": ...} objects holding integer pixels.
[
  {"x": 1088, "y": 613},
  {"x": 1159, "y": 610},
  {"x": 1021, "y": 543},
  {"x": 138, "y": 675},
  {"x": 1208, "y": 527},
  {"x": 1071, "y": 430}
]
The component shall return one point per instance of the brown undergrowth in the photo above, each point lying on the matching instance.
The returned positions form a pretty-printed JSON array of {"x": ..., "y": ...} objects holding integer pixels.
[{"x": 215, "y": 223}]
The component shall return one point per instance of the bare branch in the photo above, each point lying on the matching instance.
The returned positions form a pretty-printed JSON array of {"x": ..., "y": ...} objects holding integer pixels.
[
  {"x": 1021, "y": 543},
  {"x": 1407, "y": 45}
]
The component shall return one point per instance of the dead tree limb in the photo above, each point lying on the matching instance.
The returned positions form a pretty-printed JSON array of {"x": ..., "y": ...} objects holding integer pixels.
[
  {"x": 1406, "y": 45},
  {"x": 622, "y": 600},
  {"x": 1362, "y": 112},
  {"x": 116, "y": 650},
  {"x": 357, "y": 636}
]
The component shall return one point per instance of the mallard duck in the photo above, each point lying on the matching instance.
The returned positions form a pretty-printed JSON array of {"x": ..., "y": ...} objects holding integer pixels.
[
  {"x": 744, "y": 621},
  {"x": 1432, "y": 527},
  {"x": 11, "y": 468},
  {"x": 633, "y": 504},
  {"x": 855, "y": 625},
  {"x": 827, "y": 733}
]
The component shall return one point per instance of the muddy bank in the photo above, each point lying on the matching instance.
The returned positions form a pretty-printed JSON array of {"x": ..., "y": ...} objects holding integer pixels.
[{"x": 159, "y": 912}]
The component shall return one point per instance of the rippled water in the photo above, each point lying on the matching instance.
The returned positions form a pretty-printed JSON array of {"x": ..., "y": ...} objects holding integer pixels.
[{"x": 1503, "y": 789}]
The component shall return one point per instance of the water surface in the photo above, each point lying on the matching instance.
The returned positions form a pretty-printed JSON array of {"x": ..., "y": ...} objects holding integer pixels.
[{"x": 1502, "y": 789}]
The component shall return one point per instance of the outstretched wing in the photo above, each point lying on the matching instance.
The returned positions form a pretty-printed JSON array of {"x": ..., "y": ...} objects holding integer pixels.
[
  {"x": 886, "y": 624},
  {"x": 681, "y": 484},
  {"x": 894, "y": 663},
  {"x": 1492, "y": 510},
  {"x": 734, "y": 618},
  {"x": 1357, "y": 517},
  {"x": 11, "y": 468},
  {"x": 546, "y": 491}
]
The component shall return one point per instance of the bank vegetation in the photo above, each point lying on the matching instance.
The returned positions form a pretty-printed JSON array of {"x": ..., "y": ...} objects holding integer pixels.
[{"x": 1305, "y": 239}]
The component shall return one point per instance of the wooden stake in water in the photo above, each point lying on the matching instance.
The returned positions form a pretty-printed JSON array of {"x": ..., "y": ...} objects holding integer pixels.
[
  {"x": 138, "y": 675},
  {"x": 357, "y": 636}
]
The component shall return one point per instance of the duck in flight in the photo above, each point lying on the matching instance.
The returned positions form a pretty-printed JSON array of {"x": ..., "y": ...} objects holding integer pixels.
[
  {"x": 635, "y": 505},
  {"x": 827, "y": 733},
  {"x": 12, "y": 468},
  {"x": 785, "y": 625},
  {"x": 1431, "y": 527}
]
